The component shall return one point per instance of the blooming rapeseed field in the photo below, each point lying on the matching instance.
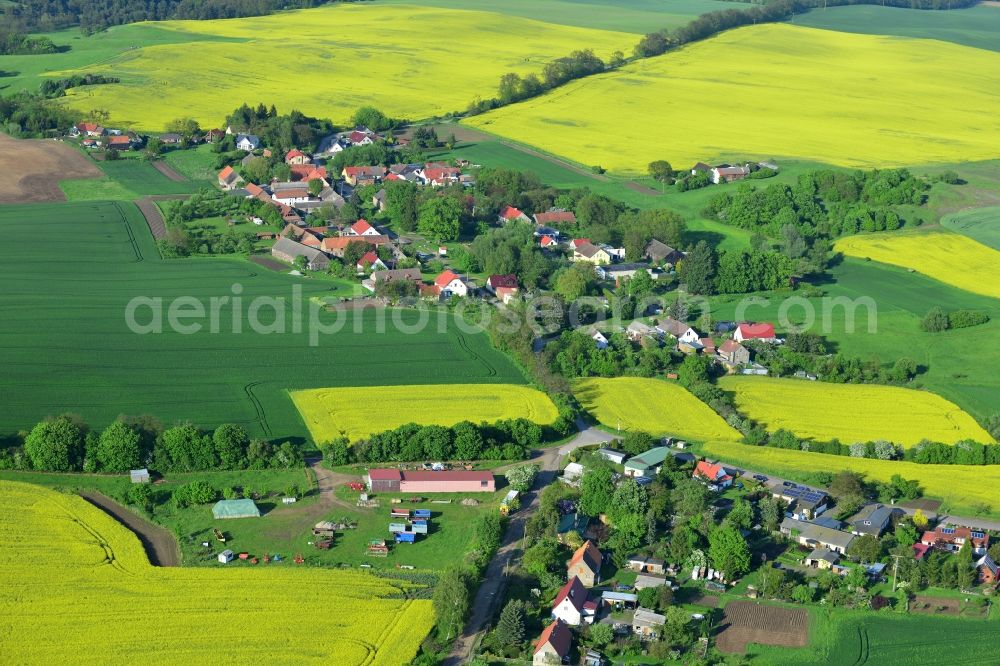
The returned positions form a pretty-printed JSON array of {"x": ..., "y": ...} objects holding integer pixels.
[
  {"x": 75, "y": 582},
  {"x": 852, "y": 412}
]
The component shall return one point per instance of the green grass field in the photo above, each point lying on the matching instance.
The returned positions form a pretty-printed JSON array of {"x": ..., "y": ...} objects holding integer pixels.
[
  {"x": 69, "y": 276},
  {"x": 847, "y": 638},
  {"x": 979, "y": 224},
  {"x": 636, "y": 16},
  {"x": 343, "y": 48},
  {"x": 780, "y": 101},
  {"x": 127, "y": 178},
  {"x": 962, "y": 365},
  {"x": 195, "y": 163},
  {"x": 976, "y": 26}
]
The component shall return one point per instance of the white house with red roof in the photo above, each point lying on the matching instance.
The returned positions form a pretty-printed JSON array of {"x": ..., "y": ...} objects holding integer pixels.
[
  {"x": 362, "y": 175},
  {"x": 361, "y": 228},
  {"x": 579, "y": 242},
  {"x": 548, "y": 241},
  {"x": 450, "y": 283},
  {"x": 504, "y": 286},
  {"x": 712, "y": 474},
  {"x": 760, "y": 331},
  {"x": 229, "y": 179},
  {"x": 90, "y": 129},
  {"x": 571, "y": 605},
  {"x": 370, "y": 262},
  {"x": 553, "y": 646},
  {"x": 952, "y": 538},
  {"x": 438, "y": 175},
  {"x": 362, "y": 137},
  {"x": 509, "y": 214}
]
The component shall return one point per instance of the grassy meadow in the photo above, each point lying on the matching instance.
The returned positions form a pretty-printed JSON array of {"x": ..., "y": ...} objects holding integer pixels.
[
  {"x": 794, "y": 92},
  {"x": 69, "y": 276},
  {"x": 979, "y": 224},
  {"x": 346, "y": 55},
  {"x": 651, "y": 405},
  {"x": 954, "y": 259},
  {"x": 962, "y": 487},
  {"x": 357, "y": 412},
  {"x": 851, "y": 412},
  {"x": 61, "y": 552},
  {"x": 976, "y": 26}
]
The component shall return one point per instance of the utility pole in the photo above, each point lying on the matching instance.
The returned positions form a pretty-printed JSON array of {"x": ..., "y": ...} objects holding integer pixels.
[{"x": 895, "y": 570}]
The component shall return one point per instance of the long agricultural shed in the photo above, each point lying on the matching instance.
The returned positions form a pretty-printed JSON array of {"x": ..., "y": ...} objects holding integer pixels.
[{"x": 444, "y": 481}]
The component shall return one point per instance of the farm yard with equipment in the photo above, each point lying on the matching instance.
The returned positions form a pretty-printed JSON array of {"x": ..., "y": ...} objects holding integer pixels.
[
  {"x": 788, "y": 76},
  {"x": 651, "y": 405},
  {"x": 852, "y": 413},
  {"x": 951, "y": 258},
  {"x": 330, "y": 413},
  {"x": 57, "y": 546}
]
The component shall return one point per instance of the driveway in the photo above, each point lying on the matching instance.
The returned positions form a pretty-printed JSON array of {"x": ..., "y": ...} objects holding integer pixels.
[{"x": 159, "y": 543}]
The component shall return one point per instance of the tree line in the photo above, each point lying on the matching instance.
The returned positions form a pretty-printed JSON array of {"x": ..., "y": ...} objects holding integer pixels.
[{"x": 67, "y": 444}]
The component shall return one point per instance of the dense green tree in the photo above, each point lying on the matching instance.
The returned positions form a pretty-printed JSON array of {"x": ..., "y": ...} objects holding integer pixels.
[
  {"x": 729, "y": 552},
  {"x": 187, "y": 449},
  {"x": 521, "y": 478},
  {"x": 510, "y": 626},
  {"x": 118, "y": 449},
  {"x": 596, "y": 490},
  {"x": 56, "y": 445},
  {"x": 231, "y": 443},
  {"x": 698, "y": 268},
  {"x": 439, "y": 219},
  {"x": 451, "y": 602}
]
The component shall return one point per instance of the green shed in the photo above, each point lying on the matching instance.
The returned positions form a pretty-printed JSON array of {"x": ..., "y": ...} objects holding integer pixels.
[{"x": 241, "y": 508}]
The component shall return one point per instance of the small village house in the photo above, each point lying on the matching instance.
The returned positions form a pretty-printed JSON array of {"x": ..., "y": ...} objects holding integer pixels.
[
  {"x": 510, "y": 214},
  {"x": 647, "y": 464},
  {"x": 643, "y": 564},
  {"x": 361, "y": 228},
  {"x": 621, "y": 272},
  {"x": 420, "y": 481},
  {"x": 571, "y": 604},
  {"x": 555, "y": 217},
  {"x": 229, "y": 179},
  {"x": 379, "y": 200},
  {"x": 288, "y": 250},
  {"x": 713, "y": 475},
  {"x": 646, "y": 624},
  {"x": 822, "y": 558},
  {"x": 951, "y": 538},
  {"x": 586, "y": 564},
  {"x": 449, "y": 284},
  {"x": 362, "y": 175},
  {"x": 547, "y": 242},
  {"x": 638, "y": 330},
  {"x": 642, "y": 581},
  {"x": 733, "y": 353},
  {"x": 873, "y": 519},
  {"x": 296, "y": 156},
  {"x": 553, "y": 646},
  {"x": 572, "y": 522},
  {"x": 987, "y": 572},
  {"x": 381, "y": 278},
  {"x": 171, "y": 139},
  {"x": 599, "y": 339},
  {"x": 678, "y": 330},
  {"x": 247, "y": 142},
  {"x": 815, "y": 536},
  {"x": 661, "y": 253},
  {"x": 591, "y": 254},
  {"x": 504, "y": 287},
  {"x": 729, "y": 174},
  {"x": 370, "y": 261},
  {"x": 803, "y": 502},
  {"x": 615, "y": 456},
  {"x": 761, "y": 331}
]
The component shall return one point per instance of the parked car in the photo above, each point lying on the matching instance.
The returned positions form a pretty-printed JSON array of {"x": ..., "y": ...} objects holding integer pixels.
[{"x": 760, "y": 477}]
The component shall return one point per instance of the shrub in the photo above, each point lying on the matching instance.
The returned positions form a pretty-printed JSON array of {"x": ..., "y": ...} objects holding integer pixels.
[{"x": 967, "y": 318}]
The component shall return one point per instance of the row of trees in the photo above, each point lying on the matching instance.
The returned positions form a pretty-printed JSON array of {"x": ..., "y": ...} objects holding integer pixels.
[{"x": 67, "y": 444}]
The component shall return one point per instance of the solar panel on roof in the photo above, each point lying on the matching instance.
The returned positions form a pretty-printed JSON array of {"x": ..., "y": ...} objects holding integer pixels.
[
  {"x": 812, "y": 497},
  {"x": 977, "y": 535},
  {"x": 947, "y": 530}
]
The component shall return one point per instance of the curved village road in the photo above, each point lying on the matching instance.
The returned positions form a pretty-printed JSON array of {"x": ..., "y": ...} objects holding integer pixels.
[
  {"x": 490, "y": 592},
  {"x": 159, "y": 544}
]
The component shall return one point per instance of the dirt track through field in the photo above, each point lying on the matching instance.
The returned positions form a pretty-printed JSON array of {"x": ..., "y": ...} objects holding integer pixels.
[
  {"x": 154, "y": 219},
  {"x": 159, "y": 544},
  {"x": 168, "y": 171},
  {"x": 30, "y": 169}
]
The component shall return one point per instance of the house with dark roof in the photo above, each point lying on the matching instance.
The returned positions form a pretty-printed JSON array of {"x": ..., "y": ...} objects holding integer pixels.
[
  {"x": 171, "y": 139},
  {"x": 288, "y": 250},
  {"x": 803, "y": 502},
  {"x": 822, "y": 558},
  {"x": 644, "y": 564},
  {"x": 590, "y": 253},
  {"x": 661, "y": 253},
  {"x": 247, "y": 142},
  {"x": 678, "y": 330},
  {"x": 646, "y": 624},
  {"x": 586, "y": 564},
  {"x": 873, "y": 519},
  {"x": 555, "y": 217},
  {"x": 553, "y": 646},
  {"x": 229, "y": 179},
  {"x": 816, "y": 536},
  {"x": 571, "y": 604},
  {"x": 987, "y": 572}
]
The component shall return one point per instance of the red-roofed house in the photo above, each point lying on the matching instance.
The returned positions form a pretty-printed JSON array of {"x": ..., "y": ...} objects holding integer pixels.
[
  {"x": 296, "y": 156},
  {"x": 586, "y": 564},
  {"x": 951, "y": 538},
  {"x": 714, "y": 475},
  {"x": 509, "y": 214},
  {"x": 361, "y": 228},
  {"x": 361, "y": 138},
  {"x": 579, "y": 242},
  {"x": 569, "y": 604},
  {"x": 439, "y": 175},
  {"x": 419, "y": 481},
  {"x": 553, "y": 646},
  {"x": 763, "y": 332},
  {"x": 90, "y": 129},
  {"x": 450, "y": 284},
  {"x": 229, "y": 179},
  {"x": 548, "y": 241},
  {"x": 120, "y": 142},
  {"x": 307, "y": 172},
  {"x": 504, "y": 286},
  {"x": 370, "y": 262},
  {"x": 555, "y": 217}
]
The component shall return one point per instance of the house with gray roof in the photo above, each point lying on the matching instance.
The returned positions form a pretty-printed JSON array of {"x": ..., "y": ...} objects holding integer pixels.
[
  {"x": 288, "y": 250},
  {"x": 873, "y": 519},
  {"x": 816, "y": 536}
]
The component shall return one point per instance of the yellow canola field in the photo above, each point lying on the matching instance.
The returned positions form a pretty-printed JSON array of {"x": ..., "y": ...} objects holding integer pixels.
[
  {"x": 773, "y": 91},
  {"x": 357, "y": 412},
  {"x": 409, "y": 61},
  {"x": 76, "y": 586},
  {"x": 963, "y": 487},
  {"x": 651, "y": 405},
  {"x": 950, "y": 258},
  {"x": 852, "y": 412}
]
